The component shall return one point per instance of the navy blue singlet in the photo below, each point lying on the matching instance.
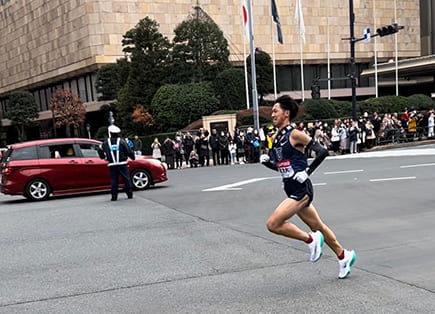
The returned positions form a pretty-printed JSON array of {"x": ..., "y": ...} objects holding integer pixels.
[{"x": 290, "y": 160}]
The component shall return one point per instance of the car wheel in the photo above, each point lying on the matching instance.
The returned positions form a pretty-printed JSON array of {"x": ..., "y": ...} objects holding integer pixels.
[
  {"x": 38, "y": 190},
  {"x": 141, "y": 179}
]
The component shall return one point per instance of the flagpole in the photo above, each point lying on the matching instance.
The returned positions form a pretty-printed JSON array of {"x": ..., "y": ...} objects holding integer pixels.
[
  {"x": 273, "y": 56},
  {"x": 246, "y": 72},
  {"x": 329, "y": 63},
  {"x": 253, "y": 72},
  {"x": 245, "y": 66},
  {"x": 395, "y": 44},
  {"x": 376, "y": 50},
  {"x": 299, "y": 14}
]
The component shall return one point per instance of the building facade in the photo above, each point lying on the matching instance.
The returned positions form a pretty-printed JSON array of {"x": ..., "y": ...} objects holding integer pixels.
[{"x": 46, "y": 44}]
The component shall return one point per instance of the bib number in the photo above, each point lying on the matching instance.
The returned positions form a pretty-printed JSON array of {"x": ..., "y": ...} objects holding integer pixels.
[{"x": 285, "y": 168}]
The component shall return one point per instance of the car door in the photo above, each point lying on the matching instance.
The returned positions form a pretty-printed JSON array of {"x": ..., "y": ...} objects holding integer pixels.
[
  {"x": 59, "y": 165},
  {"x": 95, "y": 168}
]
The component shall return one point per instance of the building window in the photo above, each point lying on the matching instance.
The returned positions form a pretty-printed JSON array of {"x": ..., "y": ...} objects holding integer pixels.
[{"x": 82, "y": 89}]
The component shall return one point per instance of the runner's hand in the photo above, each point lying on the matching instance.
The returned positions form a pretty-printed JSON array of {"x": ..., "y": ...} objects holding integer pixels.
[
  {"x": 264, "y": 158},
  {"x": 300, "y": 176}
]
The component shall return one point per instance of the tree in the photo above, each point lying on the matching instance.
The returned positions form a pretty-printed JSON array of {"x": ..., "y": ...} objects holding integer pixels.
[
  {"x": 200, "y": 49},
  {"x": 142, "y": 118},
  {"x": 110, "y": 79},
  {"x": 264, "y": 72},
  {"x": 67, "y": 109},
  {"x": 22, "y": 110},
  {"x": 148, "y": 51},
  {"x": 173, "y": 112},
  {"x": 229, "y": 86}
]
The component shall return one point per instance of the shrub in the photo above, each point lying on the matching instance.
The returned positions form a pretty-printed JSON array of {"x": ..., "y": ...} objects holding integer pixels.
[
  {"x": 384, "y": 104},
  {"x": 420, "y": 102},
  {"x": 319, "y": 109}
]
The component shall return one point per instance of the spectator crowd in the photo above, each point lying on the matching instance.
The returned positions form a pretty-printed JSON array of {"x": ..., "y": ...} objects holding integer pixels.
[{"x": 244, "y": 145}]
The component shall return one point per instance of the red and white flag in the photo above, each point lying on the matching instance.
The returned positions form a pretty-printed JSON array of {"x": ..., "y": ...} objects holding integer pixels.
[{"x": 244, "y": 13}]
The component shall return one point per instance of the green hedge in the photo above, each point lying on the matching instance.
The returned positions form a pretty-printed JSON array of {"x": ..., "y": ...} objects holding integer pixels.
[
  {"x": 319, "y": 109},
  {"x": 328, "y": 109}
]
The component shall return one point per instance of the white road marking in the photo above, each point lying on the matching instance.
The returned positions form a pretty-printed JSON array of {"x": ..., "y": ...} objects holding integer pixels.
[
  {"x": 393, "y": 179},
  {"x": 344, "y": 171},
  {"x": 232, "y": 186},
  {"x": 417, "y": 165}
]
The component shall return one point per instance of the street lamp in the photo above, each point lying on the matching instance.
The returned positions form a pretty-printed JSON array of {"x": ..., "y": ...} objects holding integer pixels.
[
  {"x": 88, "y": 128},
  {"x": 111, "y": 118}
]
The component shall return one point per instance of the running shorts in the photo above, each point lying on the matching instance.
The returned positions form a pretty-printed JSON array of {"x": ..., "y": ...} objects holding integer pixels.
[{"x": 297, "y": 191}]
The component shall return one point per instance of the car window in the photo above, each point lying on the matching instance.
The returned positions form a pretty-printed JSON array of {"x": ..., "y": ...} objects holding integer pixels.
[
  {"x": 25, "y": 153},
  {"x": 57, "y": 151},
  {"x": 89, "y": 150}
]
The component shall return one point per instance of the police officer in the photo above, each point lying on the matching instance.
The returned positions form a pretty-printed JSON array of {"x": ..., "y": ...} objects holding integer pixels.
[{"x": 116, "y": 152}]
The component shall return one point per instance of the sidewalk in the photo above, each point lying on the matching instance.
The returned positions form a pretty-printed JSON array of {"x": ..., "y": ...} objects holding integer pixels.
[{"x": 400, "y": 145}]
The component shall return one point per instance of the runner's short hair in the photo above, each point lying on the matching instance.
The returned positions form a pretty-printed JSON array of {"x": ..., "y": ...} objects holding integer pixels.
[{"x": 288, "y": 103}]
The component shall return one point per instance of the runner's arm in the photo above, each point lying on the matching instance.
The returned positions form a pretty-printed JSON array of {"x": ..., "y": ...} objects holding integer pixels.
[
  {"x": 268, "y": 162},
  {"x": 300, "y": 139},
  {"x": 321, "y": 154}
]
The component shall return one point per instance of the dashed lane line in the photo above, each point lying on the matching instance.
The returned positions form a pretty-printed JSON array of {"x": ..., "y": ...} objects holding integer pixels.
[
  {"x": 392, "y": 179},
  {"x": 417, "y": 165},
  {"x": 344, "y": 171}
]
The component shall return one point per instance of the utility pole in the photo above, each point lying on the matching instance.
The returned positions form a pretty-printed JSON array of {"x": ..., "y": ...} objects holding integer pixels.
[
  {"x": 382, "y": 31},
  {"x": 352, "y": 58}
]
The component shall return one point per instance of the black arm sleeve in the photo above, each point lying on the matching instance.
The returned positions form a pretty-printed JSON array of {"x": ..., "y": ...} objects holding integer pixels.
[
  {"x": 321, "y": 154},
  {"x": 271, "y": 165}
]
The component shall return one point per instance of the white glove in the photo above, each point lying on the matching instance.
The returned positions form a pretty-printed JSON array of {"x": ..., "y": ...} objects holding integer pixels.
[
  {"x": 264, "y": 158},
  {"x": 300, "y": 176}
]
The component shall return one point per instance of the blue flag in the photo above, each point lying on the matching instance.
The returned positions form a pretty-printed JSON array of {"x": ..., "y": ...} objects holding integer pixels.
[{"x": 276, "y": 20}]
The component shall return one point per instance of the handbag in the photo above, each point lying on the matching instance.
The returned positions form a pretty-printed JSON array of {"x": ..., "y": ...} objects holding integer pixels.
[{"x": 256, "y": 143}]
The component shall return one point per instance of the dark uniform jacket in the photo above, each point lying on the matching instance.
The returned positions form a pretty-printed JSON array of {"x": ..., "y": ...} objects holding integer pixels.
[{"x": 117, "y": 154}]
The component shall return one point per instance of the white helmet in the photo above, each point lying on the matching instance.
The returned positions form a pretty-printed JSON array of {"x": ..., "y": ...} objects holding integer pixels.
[{"x": 114, "y": 129}]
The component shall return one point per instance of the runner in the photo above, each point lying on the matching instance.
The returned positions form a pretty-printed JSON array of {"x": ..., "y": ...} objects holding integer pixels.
[{"x": 287, "y": 157}]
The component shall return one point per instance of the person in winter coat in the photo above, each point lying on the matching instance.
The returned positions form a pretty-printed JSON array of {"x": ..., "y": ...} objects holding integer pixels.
[
  {"x": 117, "y": 151},
  {"x": 168, "y": 148},
  {"x": 223, "y": 148},
  {"x": 156, "y": 147},
  {"x": 214, "y": 144},
  {"x": 188, "y": 144},
  {"x": 201, "y": 144},
  {"x": 137, "y": 145}
]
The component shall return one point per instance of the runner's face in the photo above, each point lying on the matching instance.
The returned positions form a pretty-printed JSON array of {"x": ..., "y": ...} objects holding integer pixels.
[{"x": 280, "y": 118}]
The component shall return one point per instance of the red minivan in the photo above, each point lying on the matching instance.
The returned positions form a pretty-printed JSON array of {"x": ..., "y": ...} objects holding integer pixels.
[{"x": 70, "y": 165}]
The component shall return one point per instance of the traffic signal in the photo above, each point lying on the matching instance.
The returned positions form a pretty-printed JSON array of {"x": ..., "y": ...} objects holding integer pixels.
[
  {"x": 389, "y": 29},
  {"x": 315, "y": 91}
]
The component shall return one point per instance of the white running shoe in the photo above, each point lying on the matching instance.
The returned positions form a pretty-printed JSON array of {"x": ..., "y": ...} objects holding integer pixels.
[
  {"x": 316, "y": 247},
  {"x": 346, "y": 263}
]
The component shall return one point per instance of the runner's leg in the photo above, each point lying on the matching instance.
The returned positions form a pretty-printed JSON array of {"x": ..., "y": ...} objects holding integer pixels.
[
  {"x": 278, "y": 224},
  {"x": 311, "y": 218}
]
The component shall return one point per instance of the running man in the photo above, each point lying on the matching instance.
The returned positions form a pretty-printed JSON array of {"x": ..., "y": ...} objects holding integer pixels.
[{"x": 288, "y": 158}]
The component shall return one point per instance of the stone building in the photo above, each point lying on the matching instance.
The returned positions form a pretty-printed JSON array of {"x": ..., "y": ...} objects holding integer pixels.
[{"x": 46, "y": 44}]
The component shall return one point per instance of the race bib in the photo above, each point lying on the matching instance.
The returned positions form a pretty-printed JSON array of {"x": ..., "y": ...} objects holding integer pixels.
[{"x": 285, "y": 168}]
